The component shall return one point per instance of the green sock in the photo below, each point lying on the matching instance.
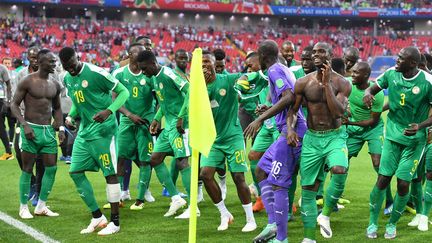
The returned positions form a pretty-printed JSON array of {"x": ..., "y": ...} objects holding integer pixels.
[
  {"x": 24, "y": 186},
  {"x": 144, "y": 175},
  {"x": 376, "y": 199},
  {"x": 427, "y": 198},
  {"x": 309, "y": 213},
  {"x": 174, "y": 171},
  {"x": 164, "y": 178},
  {"x": 121, "y": 179},
  {"x": 253, "y": 165},
  {"x": 85, "y": 190},
  {"x": 186, "y": 179},
  {"x": 148, "y": 173},
  {"x": 321, "y": 186},
  {"x": 333, "y": 193},
  {"x": 398, "y": 207},
  {"x": 47, "y": 182},
  {"x": 291, "y": 192},
  {"x": 417, "y": 195}
]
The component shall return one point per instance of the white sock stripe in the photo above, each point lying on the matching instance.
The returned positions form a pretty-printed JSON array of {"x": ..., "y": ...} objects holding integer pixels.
[
  {"x": 186, "y": 142},
  {"x": 39, "y": 236},
  {"x": 113, "y": 153}
]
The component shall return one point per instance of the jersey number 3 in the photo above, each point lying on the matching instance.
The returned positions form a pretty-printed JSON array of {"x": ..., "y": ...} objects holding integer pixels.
[{"x": 402, "y": 100}]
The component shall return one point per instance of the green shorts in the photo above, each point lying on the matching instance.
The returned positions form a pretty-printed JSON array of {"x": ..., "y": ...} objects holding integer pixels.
[
  {"x": 357, "y": 136},
  {"x": 400, "y": 160},
  {"x": 92, "y": 155},
  {"x": 172, "y": 142},
  {"x": 265, "y": 137},
  {"x": 233, "y": 149},
  {"x": 44, "y": 142},
  {"x": 134, "y": 142},
  {"x": 322, "y": 148}
]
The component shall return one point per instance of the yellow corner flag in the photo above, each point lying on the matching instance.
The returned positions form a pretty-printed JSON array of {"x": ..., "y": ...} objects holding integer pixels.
[{"x": 202, "y": 131}]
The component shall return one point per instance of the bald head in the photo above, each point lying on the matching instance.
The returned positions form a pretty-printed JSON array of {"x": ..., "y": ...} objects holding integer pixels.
[
  {"x": 268, "y": 53},
  {"x": 408, "y": 59},
  {"x": 322, "y": 53},
  {"x": 350, "y": 57},
  {"x": 360, "y": 74}
]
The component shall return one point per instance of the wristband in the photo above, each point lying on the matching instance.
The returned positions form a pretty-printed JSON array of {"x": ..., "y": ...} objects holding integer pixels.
[{"x": 61, "y": 128}]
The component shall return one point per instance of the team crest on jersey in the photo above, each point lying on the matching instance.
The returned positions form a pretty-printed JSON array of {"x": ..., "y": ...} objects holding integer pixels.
[
  {"x": 160, "y": 86},
  {"x": 84, "y": 84},
  {"x": 143, "y": 82},
  {"x": 416, "y": 90},
  {"x": 222, "y": 92}
]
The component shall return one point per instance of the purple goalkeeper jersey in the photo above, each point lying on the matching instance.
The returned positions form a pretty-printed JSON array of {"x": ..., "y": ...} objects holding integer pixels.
[{"x": 281, "y": 79}]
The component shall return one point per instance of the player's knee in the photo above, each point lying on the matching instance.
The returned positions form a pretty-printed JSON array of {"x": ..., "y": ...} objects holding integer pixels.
[
  {"x": 156, "y": 159},
  {"x": 238, "y": 177},
  {"x": 383, "y": 182},
  {"x": 429, "y": 175},
  {"x": 206, "y": 174},
  {"x": 338, "y": 170},
  {"x": 113, "y": 192},
  {"x": 111, "y": 179},
  {"x": 376, "y": 159},
  {"x": 182, "y": 163},
  {"x": 76, "y": 177},
  {"x": 402, "y": 187}
]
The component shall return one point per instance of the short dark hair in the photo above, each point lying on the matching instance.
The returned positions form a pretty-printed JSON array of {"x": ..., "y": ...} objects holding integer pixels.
[
  {"x": 219, "y": 54},
  {"x": 66, "y": 54},
  {"x": 146, "y": 56},
  {"x": 42, "y": 53},
  {"x": 252, "y": 54},
  {"x": 180, "y": 50},
  {"x": 308, "y": 49},
  {"x": 141, "y": 37},
  {"x": 269, "y": 48},
  {"x": 206, "y": 52},
  {"x": 133, "y": 45}
]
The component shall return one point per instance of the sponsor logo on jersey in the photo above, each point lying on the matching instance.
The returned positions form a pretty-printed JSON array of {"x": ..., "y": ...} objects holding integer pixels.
[{"x": 84, "y": 84}]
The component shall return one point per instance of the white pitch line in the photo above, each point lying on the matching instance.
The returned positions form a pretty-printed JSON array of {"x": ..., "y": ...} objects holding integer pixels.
[{"x": 26, "y": 229}]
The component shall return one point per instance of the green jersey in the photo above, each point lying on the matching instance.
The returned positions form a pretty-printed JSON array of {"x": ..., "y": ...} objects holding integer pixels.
[
  {"x": 182, "y": 74},
  {"x": 359, "y": 111},
  {"x": 171, "y": 91},
  {"x": 140, "y": 88},
  {"x": 298, "y": 71},
  {"x": 90, "y": 92},
  {"x": 224, "y": 102},
  {"x": 409, "y": 101}
]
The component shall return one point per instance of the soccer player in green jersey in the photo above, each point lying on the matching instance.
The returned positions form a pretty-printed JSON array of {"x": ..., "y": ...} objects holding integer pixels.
[
  {"x": 364, "y": 124},
  {"x": 90, "y": 89},
  {"x": 410, "y": 96},
  {"x": 172, "y": 94},
  {"x": 288, "y": 50},
  {"x": 41, "y": 97},
  {"x": 229, "y": 143},
  {"x": 134, "y": 140}
]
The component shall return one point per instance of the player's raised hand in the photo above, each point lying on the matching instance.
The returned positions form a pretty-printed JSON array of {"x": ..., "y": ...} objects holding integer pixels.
[
  {"x": 411, "y": 130},
  {"x": 292, "y": 138},
  {"x": 28, "y": 132},
  {"x": 253, "y": 128},
  {"x": 179, "y": 125},
  {"x": 137, "y": 120},
  {"x": 102, "y": 116},
  {"x": 326, "y": 71},
  {"x": 154, "y": 127}
]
